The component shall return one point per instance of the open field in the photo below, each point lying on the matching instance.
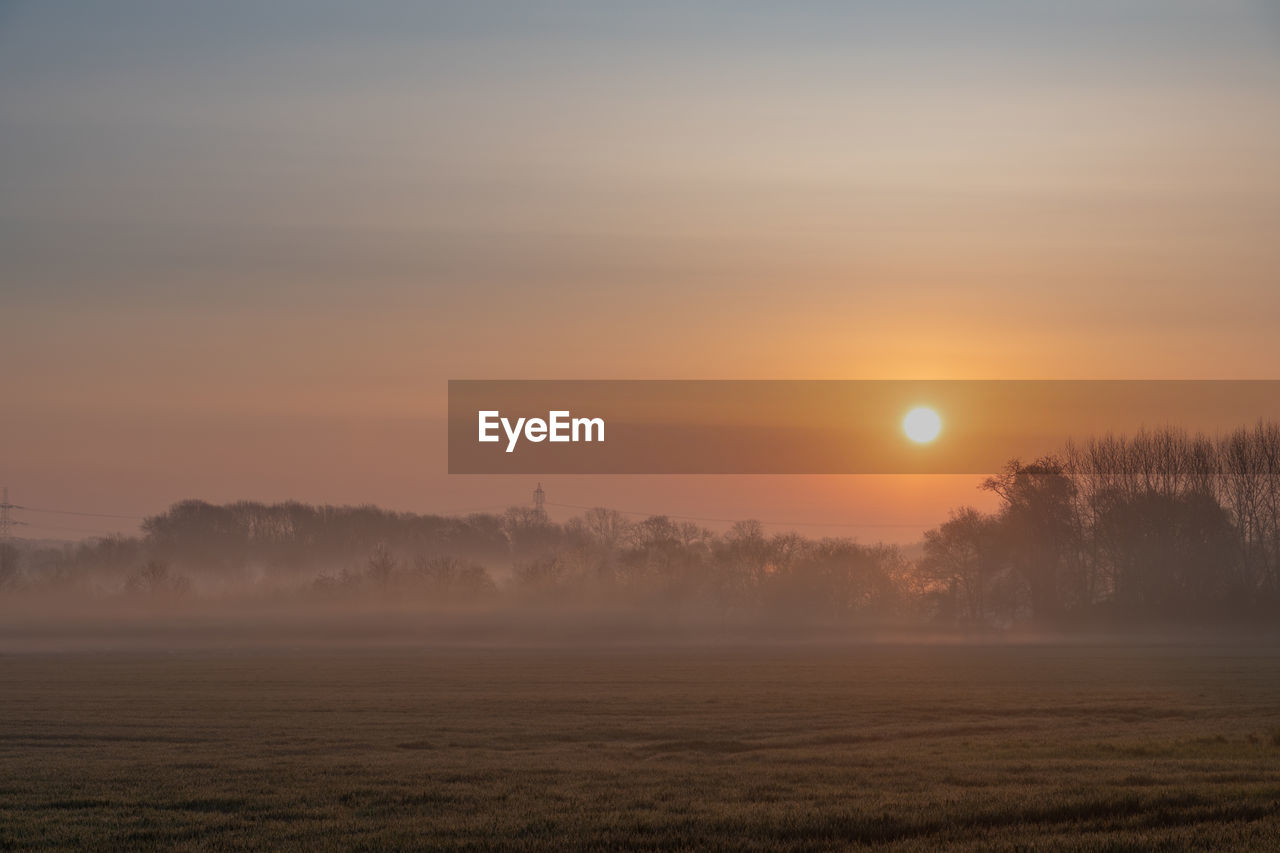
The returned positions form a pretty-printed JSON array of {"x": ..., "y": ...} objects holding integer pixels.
[{"x": 800, "y": 747}]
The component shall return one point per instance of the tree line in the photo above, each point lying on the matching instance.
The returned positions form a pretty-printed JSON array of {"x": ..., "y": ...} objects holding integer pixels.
[
  {"x": 519, "y": 556},
  {"x": 1162, "y": 526}
]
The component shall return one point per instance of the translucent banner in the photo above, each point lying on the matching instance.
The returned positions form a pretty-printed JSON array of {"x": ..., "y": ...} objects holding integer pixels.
[{"x": 818, "y": 427}]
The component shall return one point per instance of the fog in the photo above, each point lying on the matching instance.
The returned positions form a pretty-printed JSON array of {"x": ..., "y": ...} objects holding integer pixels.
[{"x": 1162, "y": 533}]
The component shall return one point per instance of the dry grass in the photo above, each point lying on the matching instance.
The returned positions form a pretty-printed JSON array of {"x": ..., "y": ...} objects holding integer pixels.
[{"x": 796, "y": 748}]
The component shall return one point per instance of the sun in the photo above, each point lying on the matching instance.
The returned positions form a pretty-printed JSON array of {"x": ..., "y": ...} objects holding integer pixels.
[{"x": 922, "y": 425}]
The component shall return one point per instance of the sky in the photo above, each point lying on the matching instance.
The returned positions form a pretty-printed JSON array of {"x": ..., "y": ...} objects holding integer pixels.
[{"x": 244, "y": 246}]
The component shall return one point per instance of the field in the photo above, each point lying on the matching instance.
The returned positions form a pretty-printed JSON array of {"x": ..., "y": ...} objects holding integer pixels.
[{"x": 784, "y": 747}]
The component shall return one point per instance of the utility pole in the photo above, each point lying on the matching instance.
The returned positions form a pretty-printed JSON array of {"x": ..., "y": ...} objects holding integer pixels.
[
  {"x": 7, "y": 562},
  {"x": 539, "y": 501}
]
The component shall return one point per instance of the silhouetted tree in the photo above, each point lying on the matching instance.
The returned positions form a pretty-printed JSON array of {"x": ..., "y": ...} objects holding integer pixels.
[
  {"x": 381, "y": 565},
  {"x": 967, "y": 556},
  {"x": 1040, "y": 530},
  {"x": 157, "y": 579}
]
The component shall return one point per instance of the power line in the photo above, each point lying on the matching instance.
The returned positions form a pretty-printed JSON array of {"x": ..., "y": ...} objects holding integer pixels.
[
  {"x": 76, "y": 512},
  {"x": 7, "y": 564},
  {"x": 68, "y": 529},
  {"x": 493, "y": 508},
  {"x": 877, "y": 525}
]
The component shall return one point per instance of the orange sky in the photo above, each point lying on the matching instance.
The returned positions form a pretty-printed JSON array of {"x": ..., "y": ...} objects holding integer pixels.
[{"x": 243, "y": 251}]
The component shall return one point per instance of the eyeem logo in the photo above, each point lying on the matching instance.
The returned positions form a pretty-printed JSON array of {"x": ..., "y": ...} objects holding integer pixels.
[
  {"x": 558, "y": 426},
  {"x": 855, "y": 426}
]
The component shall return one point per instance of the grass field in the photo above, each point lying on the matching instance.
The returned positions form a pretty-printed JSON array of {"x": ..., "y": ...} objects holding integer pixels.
[{"x": 800, "y": 747}]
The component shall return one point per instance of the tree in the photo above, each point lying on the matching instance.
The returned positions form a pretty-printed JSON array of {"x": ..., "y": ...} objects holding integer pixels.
[
  {"x": 963, "y": 555},
  {"x": 381, "y": 565},
  {"x": 157, "y": 579},
  {"x": 449, "y": 579},
  {"x": 529, "y": 533},
  {"x": 1040, "y": 530},
  {"x": 1168, "y": 551},
  {"x": 602, "y": 532}
]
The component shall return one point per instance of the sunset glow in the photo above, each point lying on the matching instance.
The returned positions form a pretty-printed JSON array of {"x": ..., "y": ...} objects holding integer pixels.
[{"x": 250, "y": 254}]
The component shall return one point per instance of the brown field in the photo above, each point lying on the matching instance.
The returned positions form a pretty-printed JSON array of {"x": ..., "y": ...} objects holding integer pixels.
[{"x": 798, "y": 747}]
